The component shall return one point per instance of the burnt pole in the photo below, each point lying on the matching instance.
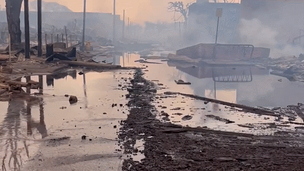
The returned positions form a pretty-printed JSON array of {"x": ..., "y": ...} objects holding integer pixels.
[
  {"x": 128, "y": 31},
  {"x": 114, "y": 22},
  {"x": 39, "y": 10},
  {"x": 219, "y": 12},
  {"x": 123, "y": 24},
  {"x": 26, "y": 29},
  {"x": 84, "y": 21}
]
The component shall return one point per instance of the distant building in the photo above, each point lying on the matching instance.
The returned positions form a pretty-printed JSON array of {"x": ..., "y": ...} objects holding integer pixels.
[
  {"x": 49, "y": 7},
  {"x": 285, "y": 18},
  {"x": 97, "y": 24}
]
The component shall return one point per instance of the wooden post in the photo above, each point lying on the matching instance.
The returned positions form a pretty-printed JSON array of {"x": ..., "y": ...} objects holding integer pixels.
[
  {"x": 66, "y": 37},
  {"x": 10, "y": 48},
  {"x": 26, "y": 29},
  {"x": 46, "y": 39},
  {"x": 114, "y": 22},
  {"x": 39, "y": 28},
  {"x": 84, "y": 21},
  {"x": 123, "y": 24}
]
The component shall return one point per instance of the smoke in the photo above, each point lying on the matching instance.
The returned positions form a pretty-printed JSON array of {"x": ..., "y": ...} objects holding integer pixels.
[
  {"x": 254, "y": 32},
  {"x": 273, "y": 24},
  {"x": 139, "y": 11}
]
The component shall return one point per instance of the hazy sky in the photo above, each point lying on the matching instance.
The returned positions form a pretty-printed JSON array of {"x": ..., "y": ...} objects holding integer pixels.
[{"x": 137, "y": 10}]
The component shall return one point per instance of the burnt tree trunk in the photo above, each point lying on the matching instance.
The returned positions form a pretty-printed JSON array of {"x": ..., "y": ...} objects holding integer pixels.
[{"x": 13, "y": 8}]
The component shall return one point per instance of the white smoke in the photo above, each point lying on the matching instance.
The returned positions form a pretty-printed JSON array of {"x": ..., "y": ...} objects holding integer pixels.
[{"x": 254, "y": 32}]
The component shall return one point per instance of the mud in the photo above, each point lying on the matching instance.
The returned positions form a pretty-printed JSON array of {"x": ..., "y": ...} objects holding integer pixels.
[{"x": 173, "y": 147}]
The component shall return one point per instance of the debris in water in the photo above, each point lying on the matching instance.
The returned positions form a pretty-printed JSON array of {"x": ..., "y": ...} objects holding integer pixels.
[
  {"x": 187, "y": 117},
  {"x": 73, "y": 99},
  {"x": 227, "y": 121},
  {"x": 181, "y": 82},
  {"x": 63, "y": 107}
]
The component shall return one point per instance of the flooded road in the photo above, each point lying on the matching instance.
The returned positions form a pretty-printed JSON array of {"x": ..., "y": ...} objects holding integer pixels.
[
  {"x": 247, "y": 85},
  {"x": 46, "y": 132}
]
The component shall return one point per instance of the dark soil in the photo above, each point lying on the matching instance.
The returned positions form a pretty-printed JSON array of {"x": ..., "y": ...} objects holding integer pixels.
[{"x": 170, "y": 147}]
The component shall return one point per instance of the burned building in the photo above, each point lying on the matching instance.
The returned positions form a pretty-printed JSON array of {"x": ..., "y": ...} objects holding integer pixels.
[
  {"x": 97, "y": 24},
  {"x": 284, "y": 18},
  {"x": 203, "y": 21}
]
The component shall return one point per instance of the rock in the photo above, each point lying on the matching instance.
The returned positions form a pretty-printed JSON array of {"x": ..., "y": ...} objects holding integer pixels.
[
  {"x": 66, "y": 95},
  {"x": 73, "y": 99},
  {"x": 187, "y": 117},
  {"x": 166, "y": 119},
  {"x": 164, "y": 114},
  {"x": 84, "y": 137}
]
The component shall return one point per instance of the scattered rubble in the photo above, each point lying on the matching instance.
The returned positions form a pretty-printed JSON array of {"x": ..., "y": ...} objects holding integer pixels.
[
  {"x": 227, "y": 121},
  {"x": 181, "y": 82}
]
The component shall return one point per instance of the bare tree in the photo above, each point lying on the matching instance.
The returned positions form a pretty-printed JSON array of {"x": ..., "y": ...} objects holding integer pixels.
[
  {"x": 13, "y": 8},
  {"x": 179, "y": 7}
]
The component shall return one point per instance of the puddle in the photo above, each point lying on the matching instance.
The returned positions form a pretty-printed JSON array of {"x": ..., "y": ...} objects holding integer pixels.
[
  {"x": 248, "y": 85},
  {"x": 26, "y": 123}
]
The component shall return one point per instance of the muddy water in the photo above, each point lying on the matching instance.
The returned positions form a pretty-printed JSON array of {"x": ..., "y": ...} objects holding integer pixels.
[
  {"x": 51, "y": 134},
  {"x": 250, "y": 86},
  {"x": 47, "y": 133}
]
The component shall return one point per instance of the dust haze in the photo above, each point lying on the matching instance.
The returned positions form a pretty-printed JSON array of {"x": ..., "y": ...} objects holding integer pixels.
[{"x": 139, "y": 11}]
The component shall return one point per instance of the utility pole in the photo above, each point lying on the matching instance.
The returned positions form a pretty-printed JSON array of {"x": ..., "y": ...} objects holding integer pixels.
[
  {"x": 123, "y": 24},
  {"x": 84, "y": 19},
  {"x": 39, "y": 28},
  {"x": 66, "y": 37},
  {"x": 26, "y": 29},
  {"x": 128, "y": 31},
  {"x": 114, "y": 21},
  {"x": 219, "y": 12}
]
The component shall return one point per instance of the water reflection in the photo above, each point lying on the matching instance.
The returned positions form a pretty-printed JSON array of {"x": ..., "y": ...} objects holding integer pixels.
[
  {"x": 222, "y": 74},
  {"x": 85, "y": 90},
  {"x": 50, "y": 78},
  {"x": 14, "y": 141}
]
